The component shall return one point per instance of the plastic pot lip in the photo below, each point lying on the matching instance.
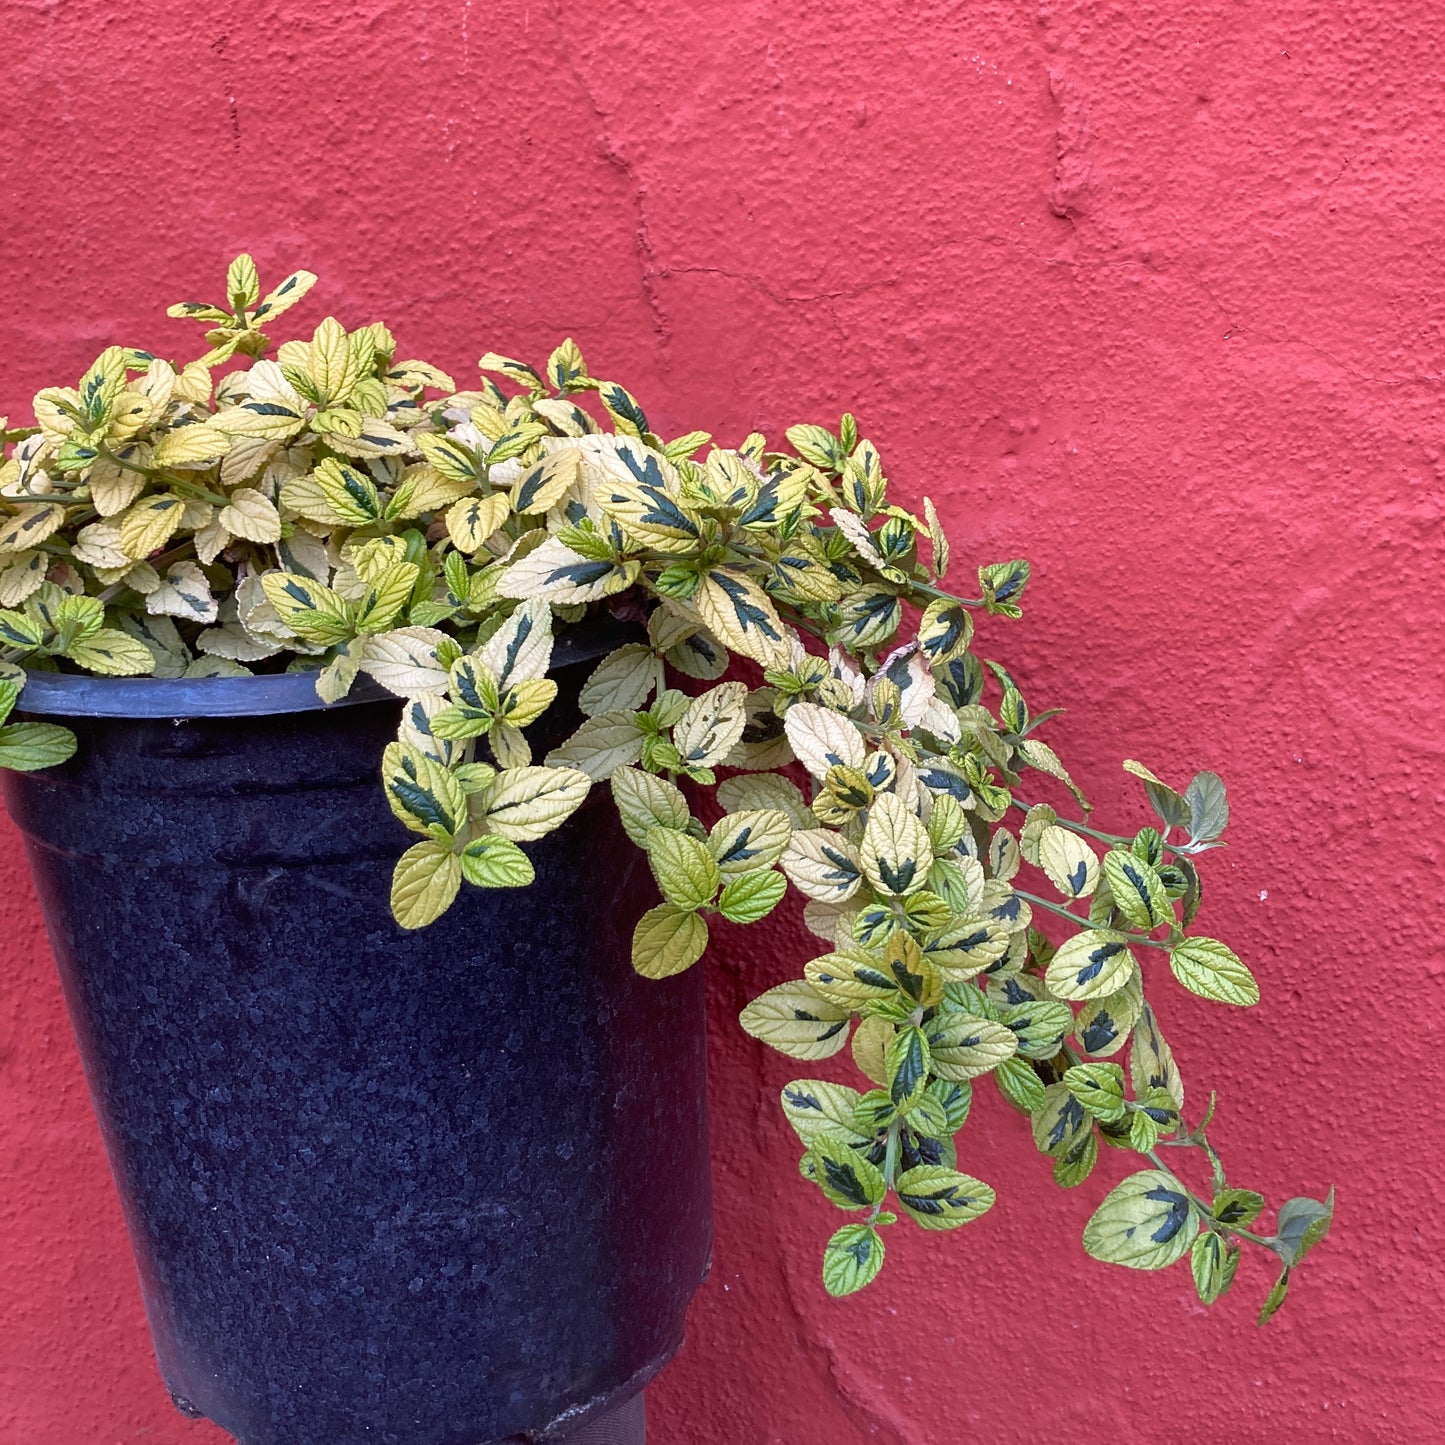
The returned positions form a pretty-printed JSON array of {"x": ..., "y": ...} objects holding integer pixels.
[{"x": 57, "y": 694}]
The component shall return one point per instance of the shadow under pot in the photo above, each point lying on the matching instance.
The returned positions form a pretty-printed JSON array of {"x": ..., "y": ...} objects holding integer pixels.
[{"x": 445, "y": 1187}]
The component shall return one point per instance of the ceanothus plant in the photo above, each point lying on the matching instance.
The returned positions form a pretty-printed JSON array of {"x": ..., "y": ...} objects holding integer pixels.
[{"x": 339, "y": 511}]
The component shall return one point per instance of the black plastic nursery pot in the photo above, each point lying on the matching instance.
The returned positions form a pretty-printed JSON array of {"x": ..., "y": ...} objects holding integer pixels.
[{"x": 447, "y": 1187}]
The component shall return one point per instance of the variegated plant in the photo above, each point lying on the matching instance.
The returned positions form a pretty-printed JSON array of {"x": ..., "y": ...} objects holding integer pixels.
[{"x": 341, "y": 511}]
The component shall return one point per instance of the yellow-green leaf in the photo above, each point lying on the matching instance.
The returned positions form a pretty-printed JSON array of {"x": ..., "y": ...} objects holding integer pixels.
[
  {"x": 667, "y": 940},
  {"x": 528, "y": 803},
  {"x": 937, "y": 1197},
  {"x": 473, "y": 519},
  {"x": 112, "y": 653},
  {"x": 1146, "y": 1222},
  {"x": 895, "y": 852},
  {"x": 1207, "y": 967},
  {"x": 797, "y": 1020},
  {"x": 424, "y": 884},
  {"x": 685, "y": 870},
  {"x": 1091, "y": 964}
]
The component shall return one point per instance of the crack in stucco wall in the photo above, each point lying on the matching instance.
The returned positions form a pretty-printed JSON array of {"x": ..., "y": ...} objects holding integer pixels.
[{"x": 616, "y": 157}]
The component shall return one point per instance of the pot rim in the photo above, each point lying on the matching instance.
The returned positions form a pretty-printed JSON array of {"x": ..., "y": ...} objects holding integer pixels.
[{"x": 60, "y": 694}]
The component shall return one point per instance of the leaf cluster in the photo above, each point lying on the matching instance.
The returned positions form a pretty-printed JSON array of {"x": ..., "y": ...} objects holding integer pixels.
[{"x": 337, "y": 510}]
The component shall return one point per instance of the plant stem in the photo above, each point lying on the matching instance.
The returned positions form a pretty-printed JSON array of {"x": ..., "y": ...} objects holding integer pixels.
[{"x": 1084, "y": 922}]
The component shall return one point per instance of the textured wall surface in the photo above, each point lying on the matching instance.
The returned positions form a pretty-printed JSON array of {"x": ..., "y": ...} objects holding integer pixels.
[{"x": 1148, "y": 293}]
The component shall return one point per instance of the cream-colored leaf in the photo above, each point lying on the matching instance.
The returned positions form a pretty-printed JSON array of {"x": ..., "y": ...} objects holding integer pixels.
[
  {"x": 765, "y": 790},
  {"x": 711, "y": 725},
  {"x": 1071, "y": 865},
  {"x": 252, "y": 516},
  {"x": 895, "y": 853},
  {"x": 746, "y": 841},
  {"x": 601, "y": 746},
  {"x": 1091, "y": 964},
  {"x": 556, "y": 572},
  {"x": 823, "y": 739},
  {"x": 822, "y": 864},
  {"x": 741, "y": 615},
  {"x": 404, "y": 660},
  {"x": 528, "y": 803},
  {"x": 424, "y": 884},
  {"x": 621, "y": 682},
  {"x": 521, "y": 648},
  {"x": 184, "y": 592},
  {"x": 797, "y": 1020}
]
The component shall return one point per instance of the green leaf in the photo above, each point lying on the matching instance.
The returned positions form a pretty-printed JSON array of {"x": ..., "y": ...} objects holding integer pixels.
[
  {"x": 817, "y": 445},
  {"x": 906, "y": 1063},
  {"x": 1075, "y": 1164},
  {"x": 667, "y": 940},
  {"x": 1099, "y": 1088},
  {"x": 1162, "y": 798},
  {"x": 382, "y": 602},
  {"x": 1212, "y": 1263},
  {"x": 815, "y": 1106},
  {"x": 494, "y": 862},
  {"x": 955, "y": 1098},
  {"x": 1060, "y": 1123},
  {"x": 845, "y": 1175},
  {"x": 26, "y": 746},
  {"x": 1151, "y": 1060},
  {"x": 1300, "y": 1225},
  {"x": 685, "y": 871},
  {"x": 1237, "y": 1206},
  {"x": 1208, "y": 808},
  {"x": 940, "y": 1198},
  {"x": 797, "y": 1020},
  {"x": 423, "y": 794},
  {"x": 1039, "y": 1025},
  {"x": 852, "y": 1259},
  {"x": 1146, "y": 1222},
  {"x": 1138, "y": 890},
  {"x": 622, "y": 681},
  {"x": 9, "y": 694},
  {"x": 424, "y": 884},
  {"x": 112, "y": 653},
  {"x": 18, "y": 630},
  {"x": 1206, "y": 967},
  {"x": 243, "y": 288},
  {"x": 1275, "y": 1298},
  {"x": 1020, "y": 1085},
  {"x": 747, "y": 897},
  {"x": 1003, "y": 585},
  {"x": 1091, "y": 964},
  {"x": 307, "y": 608}
]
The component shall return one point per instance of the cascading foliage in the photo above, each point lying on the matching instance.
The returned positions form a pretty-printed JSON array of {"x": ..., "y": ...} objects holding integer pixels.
[{"x": 341, "y": 511}]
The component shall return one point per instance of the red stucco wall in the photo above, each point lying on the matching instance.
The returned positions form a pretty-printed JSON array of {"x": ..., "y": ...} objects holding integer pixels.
[{"x": 1150, "y": 293}]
